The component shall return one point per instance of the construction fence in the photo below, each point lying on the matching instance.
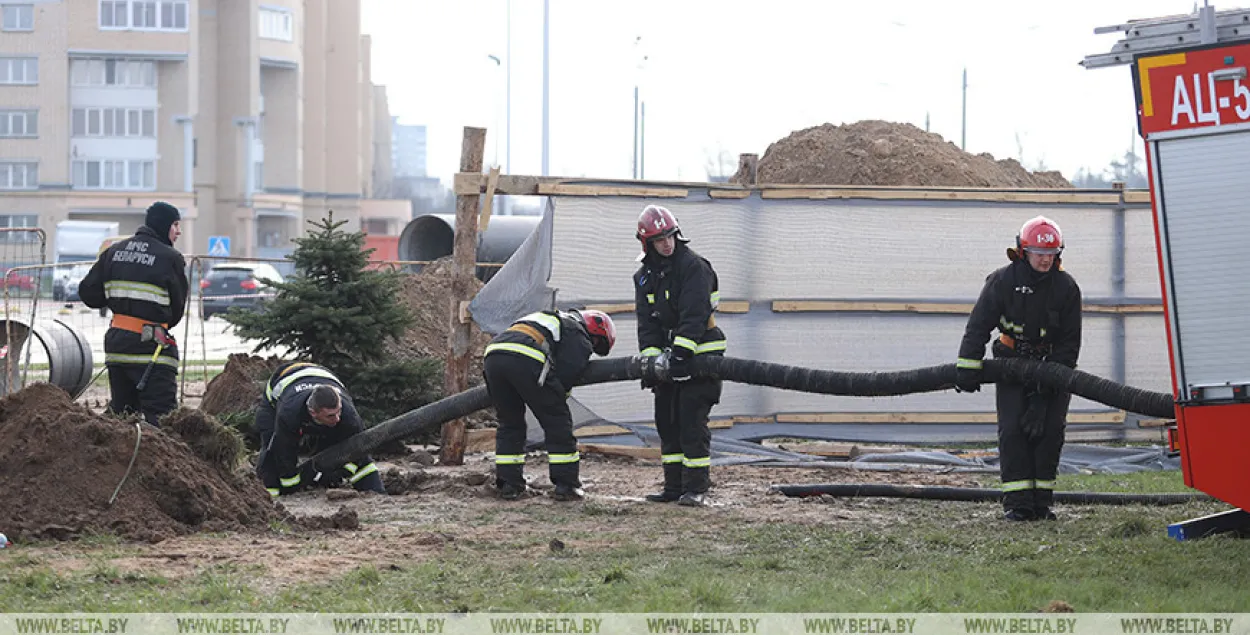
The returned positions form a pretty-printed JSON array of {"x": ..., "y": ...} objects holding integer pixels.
[{"x": 66, "y": 344}]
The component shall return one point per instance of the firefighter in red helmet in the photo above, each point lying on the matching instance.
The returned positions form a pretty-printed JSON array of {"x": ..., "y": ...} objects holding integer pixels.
[
  {"x": 535, "y": 363},
  {"x": 1036, "y": 306},
  {"x": 676, "y": 293}
]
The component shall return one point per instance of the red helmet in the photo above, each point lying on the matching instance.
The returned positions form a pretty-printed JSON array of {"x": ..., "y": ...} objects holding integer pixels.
[
  {"x": 1040, "y": 235},
  {"x": 602, "y": 330},
  {"x": 656, "y": 222}
]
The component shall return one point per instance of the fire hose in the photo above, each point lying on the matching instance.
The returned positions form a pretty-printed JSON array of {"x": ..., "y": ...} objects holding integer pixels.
[{"x": 825, "y": 382}]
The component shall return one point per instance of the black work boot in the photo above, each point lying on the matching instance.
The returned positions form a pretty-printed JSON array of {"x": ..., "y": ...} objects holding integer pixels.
[
  {"x": 511, "y": 491},
  {"x": 566, "y": 493},
  {"x": 1044, "y": 513},
  {"x": 664, "y": 496},
  {"x": 1019, "y": 514},
  {"x": 693, "y": 499},
  {"x": 672, "y": 485}
]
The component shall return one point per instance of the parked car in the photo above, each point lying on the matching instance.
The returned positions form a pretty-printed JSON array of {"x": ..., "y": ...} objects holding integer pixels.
[
  {"x": 21, "y": 280},
  {"x": 237, "y": 284},
  {"x": 65, "y": 284}
]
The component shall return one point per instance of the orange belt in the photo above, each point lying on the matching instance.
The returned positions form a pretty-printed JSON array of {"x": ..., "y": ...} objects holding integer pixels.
[
  {"x": 1008, "y": 341},
  {"x": 131, "y": 323},
  {"x": 530, "y": 331}
]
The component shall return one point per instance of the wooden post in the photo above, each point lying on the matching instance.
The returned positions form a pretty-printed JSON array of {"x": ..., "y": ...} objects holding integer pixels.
[
  {"x": 751, "y": 163},
  {"x": 463, "y": 268}
]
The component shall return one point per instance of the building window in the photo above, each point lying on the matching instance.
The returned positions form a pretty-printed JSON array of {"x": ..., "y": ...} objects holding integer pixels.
[
  {"x": 277, "y": 24},
  {"x": 113, "y": 72},
  {"x": 377, "y": 226},
  {"x": 19, "y": 221},
  {"x": 113, "y": 174},
  {"x": 19, "y": 70},
  {"x": 19, "y": 175},
  {"x": 113, "y": 122},
  {"x": 19, "y": 123},
  {"x": 18, "y": 17},
  {"x": 144, "y": 15}
]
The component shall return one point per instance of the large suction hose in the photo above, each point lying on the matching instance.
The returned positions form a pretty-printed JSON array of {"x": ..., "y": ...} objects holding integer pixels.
[{"x": 826, "y": 382}]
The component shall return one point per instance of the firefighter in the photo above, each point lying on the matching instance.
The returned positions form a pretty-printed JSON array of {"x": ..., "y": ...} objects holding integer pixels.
[
  {"x": 1036, "y": 306},
  {"x": 305, "y": 399},
  {"x": 535, "y": 363},
  {"x": 676, "y": 293},
  {"x": 142, "y": 280}
]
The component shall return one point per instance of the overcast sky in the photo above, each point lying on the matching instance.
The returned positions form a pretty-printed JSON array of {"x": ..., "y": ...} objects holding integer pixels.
[{"x": 733, "y": 76}]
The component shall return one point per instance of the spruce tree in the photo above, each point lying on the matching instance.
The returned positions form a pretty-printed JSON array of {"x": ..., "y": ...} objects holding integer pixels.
[{"x": 336, "y": 312}]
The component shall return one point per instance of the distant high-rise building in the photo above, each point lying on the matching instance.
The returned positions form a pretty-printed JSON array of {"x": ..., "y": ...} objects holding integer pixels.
[
  {"x": 250, "y": 115},
  {"x": 408, "y": 149}
]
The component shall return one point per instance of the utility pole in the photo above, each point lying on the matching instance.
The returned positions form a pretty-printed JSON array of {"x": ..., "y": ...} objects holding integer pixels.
[
  {"x": 635, "y": 172},
  {"x": 963, "y": 128},
  {"x": 642, "y": 141},
  {"x": 546, "y": 85}
]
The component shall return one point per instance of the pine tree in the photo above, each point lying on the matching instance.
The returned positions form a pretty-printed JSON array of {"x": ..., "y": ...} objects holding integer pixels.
[{"x": 338, "y": 313}]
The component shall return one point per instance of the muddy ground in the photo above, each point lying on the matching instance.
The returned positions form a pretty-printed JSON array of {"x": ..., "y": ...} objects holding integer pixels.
[{"x": 451, "y": 509}]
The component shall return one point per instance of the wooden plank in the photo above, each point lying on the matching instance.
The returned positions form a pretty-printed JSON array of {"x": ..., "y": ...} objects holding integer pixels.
[
  {"x": 942, "y": 195},
  {"x": 570, "y": 189},
  {"x": 840, "y": 450},
  {"x": 932, "y": 417},
  {"x": 720, "y": 424},
  {"x": 619, "y": 450},
  {"x": 731, "y": 194},
  {"x": 464, "y": 256},
  {"x": 789, "y": 306},
  {"x": 726, "y": 306},
  {"x": 479, "y": 440},
  {"x": 1137, "y": 197},
  {"x": 745, "y": 419},
  {"x": 492, "y": 181},
  {"x": 843, "y": 306},
  {"x": 1156, "y": 423},
  {"x": 599, "y": 431}
]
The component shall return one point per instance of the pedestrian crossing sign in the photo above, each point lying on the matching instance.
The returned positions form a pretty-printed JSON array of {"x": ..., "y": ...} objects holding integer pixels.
[{"x": 219, "y": 246}]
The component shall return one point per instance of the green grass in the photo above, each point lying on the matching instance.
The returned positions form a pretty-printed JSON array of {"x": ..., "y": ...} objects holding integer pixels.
[{"x": 906, "y": 555}]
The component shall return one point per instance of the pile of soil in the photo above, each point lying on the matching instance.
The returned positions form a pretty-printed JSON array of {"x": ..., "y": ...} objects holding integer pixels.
[
  {"x": 60, "y": 464},
  {"x": 239, "y": 385},
  {"x": 876, "y": 152},
  {"x": 428, "y": 296}
]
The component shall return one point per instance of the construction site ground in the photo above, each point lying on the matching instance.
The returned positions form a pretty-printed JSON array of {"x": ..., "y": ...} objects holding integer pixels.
[{"x": 444, "y": 543}]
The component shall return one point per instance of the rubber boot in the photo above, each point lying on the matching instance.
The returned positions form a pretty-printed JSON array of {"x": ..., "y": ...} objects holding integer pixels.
[{"x": 672, "y": 485}]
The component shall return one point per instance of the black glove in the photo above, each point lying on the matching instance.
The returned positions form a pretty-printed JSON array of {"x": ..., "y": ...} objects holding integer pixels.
[
  {"x": 1033, "y": 421},
  {"x": 679, "y": 368},
  {"x": 967, "y": 379}
]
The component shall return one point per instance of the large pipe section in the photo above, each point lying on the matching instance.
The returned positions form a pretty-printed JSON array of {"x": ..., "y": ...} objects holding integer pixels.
[
  {"x": 432, "y": 236},
  {"x": 826, "y": 382}
]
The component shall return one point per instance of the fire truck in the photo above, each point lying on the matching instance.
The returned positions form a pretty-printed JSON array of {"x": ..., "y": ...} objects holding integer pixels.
[{"x": 1193, "y": 112}]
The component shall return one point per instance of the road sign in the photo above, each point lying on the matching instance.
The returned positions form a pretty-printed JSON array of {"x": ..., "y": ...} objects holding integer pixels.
[{"x": 219, "y": 246}]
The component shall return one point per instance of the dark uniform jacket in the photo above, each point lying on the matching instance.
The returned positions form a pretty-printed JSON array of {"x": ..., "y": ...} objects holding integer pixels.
[
  {"x": 142, "y": 277},
  {"x": 549, "y": 338},
  {"x": 288, "y": 392},
  {"x": 1039, "y": 313},
  {"x": 675, "y": 299}
]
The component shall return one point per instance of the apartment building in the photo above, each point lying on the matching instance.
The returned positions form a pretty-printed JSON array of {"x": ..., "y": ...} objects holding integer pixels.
[{"x": 251, "y": 116}]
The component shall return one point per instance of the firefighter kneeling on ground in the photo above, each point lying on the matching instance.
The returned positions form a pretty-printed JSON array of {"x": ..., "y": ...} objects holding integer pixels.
[
  {"x": 535, "y": 363},
  {"x": 676, "y": 293},
  {"x": 304, "y": 399},
  {"x": 1037, "y": 308}
]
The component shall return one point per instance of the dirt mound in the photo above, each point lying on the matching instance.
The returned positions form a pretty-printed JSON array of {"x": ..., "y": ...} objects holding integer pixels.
[
  {"x": 428, "y": 296},
  {"x": 60, "y": 464},
  {"x": 211, "y": 441},
  {"x": 239, "y": 385},
  {"x": 883, "y": 153}
]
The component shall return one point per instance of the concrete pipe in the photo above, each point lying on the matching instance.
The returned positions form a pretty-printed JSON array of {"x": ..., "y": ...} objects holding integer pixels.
[
  {"x": 432, "y": 236},
  {"x": 69, "y": 355}
]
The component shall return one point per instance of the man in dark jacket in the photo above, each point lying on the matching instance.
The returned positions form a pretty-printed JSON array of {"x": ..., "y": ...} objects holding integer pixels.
[
  {"x": 1037, "y": 308},
  {"x": 676, "y": 293},
  {"x": 303, "y": 399},
  {"x": 143, "y": 281},
  {"x": 535, "y": 363}
]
